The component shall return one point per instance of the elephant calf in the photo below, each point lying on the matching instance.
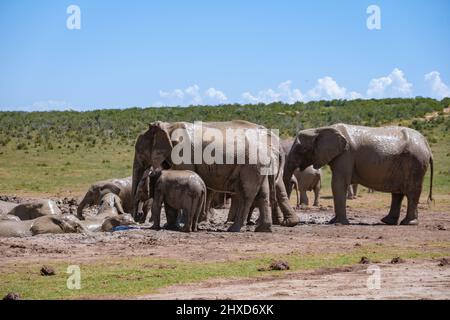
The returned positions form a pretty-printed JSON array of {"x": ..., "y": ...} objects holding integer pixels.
[
  {"x": 309, "y": 179},
  {"x": 178, "y": 190}
]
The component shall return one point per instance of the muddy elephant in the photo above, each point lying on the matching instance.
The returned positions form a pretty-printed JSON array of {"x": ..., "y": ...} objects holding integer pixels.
[
  {"x": 309, "y": 179},
  {"x": 120, "y": 187},
  {"x": 179, "y": 146},
  {"x": 6, "y": 207},
  {"x": 110, "y": 214},
  {"x": 178, "y": 190},
  {"x": 42, "y": 225},
  {"x": 386, "y": 159},
  {"x": 35, "y": 209},
  {"x": 352, "y": 191}
]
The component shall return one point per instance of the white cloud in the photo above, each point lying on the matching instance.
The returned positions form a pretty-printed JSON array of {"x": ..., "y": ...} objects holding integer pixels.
[
  {"x": 393, "y": 85},
  {"x": 191, "y": 96},
  {"x": 283, "y": 93},
  {"x": 328, "y": 88},
  {"x": 216, "y": 95},
  {"x": 438, "y": 88}
]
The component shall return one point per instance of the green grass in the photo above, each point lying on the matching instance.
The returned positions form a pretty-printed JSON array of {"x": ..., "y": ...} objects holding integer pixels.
[{"x": 127, "y": 277}]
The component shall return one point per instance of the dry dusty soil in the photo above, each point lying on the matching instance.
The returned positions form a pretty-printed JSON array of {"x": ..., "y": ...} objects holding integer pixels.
[{"x": 420, "y": 278}]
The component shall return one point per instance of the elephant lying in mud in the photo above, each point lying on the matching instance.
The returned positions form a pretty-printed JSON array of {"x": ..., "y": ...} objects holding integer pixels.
[
  {"x": 248, "y": 180},
  {"x": 42, "y": 225},
  {"x": 178, "y": 190},
  {"x": 35, "y": 209},
  {"x": 6, "y": 207},
  {"x": 119, "y": 187},
  {"x": 387, "y": 159},
  {"x": 109, "y": 215}
]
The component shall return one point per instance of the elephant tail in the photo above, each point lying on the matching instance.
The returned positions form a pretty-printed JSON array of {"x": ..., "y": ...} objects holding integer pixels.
[{"x": 430, "y": 195}]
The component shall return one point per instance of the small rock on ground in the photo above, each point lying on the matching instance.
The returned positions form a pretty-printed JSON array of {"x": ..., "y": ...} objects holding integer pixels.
[{"x": 47, "y": 271}]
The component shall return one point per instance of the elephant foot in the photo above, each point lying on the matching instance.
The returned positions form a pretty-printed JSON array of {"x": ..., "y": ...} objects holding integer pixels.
[
  {"x": 234, "y": 228},
  {"x": 186, "y": 229},
  {"x": 290, "y": 222},
  {"x": 155, "y": 227},
  {"x": 339, "y": 221},
  {"x": 172, "y": 227},
  {"x": 409, "y": 222},
  {"x": 264, "y": 227},
  {"x": 390, "y": 220},
  {"x": 316, "y": 204}
]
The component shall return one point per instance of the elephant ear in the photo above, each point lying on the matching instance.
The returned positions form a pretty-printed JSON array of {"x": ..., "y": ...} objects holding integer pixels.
[
  {"x": 162, "y": 146},
  {"x": 328, "y": 144},
  {"x": 109, "y": 188}
]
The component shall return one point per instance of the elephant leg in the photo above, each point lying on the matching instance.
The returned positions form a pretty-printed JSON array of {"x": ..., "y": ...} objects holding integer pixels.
[
  {"x": 262, "y": 200},
  {"x": 209, "y": 199},
  {"x": 304, "y": 198},
  {"x": 316, "y": 195},
  {"x": 233, "y": 208},
  {"x": 411, "y": 212},
  {"x": 171, "y": 217},
  {"x": 245, "y": 200},
  {"x": 355, "y": 190},
  {"x": 350, "y": 193},
  {"x": 394, "y": 212},
  {"x": 297, "y": 197},
  {"x": 290, "y": 218},
  {"x": 277, "y": 214},
  {"x": 339, "y": 187},
  {"x": 250, "y": 213},
  {"x": 156, "y": 213},
  {"x": 190, "y": 214}
]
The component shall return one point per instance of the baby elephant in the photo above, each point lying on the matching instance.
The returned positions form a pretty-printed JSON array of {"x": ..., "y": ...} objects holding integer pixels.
[{"x": 178, "y": 190}]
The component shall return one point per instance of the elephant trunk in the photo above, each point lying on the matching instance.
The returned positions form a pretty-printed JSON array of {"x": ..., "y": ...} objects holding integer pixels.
[
  {"x": 83, "y": 204},
  {"x": 138, "y": 172},
  {"x": 289, "y": 169}
]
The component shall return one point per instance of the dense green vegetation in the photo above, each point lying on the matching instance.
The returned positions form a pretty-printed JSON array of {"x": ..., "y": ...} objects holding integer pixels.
[{"x": 58, "y": 152}]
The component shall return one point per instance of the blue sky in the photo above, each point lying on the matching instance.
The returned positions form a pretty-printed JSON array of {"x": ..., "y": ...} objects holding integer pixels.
[{"x": 151, "y": 53}]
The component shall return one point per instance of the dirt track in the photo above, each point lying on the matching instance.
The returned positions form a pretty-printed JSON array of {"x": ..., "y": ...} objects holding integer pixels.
[
  {"x": 409, "y": 280},
  {"x": 412, "y": 279}
]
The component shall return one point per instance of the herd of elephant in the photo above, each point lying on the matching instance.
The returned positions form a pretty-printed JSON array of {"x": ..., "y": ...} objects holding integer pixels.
[{"x": 386, "y": 159}]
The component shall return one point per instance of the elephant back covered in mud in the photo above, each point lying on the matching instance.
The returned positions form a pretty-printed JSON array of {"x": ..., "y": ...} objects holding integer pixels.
[{"x": 35, "y": 209}]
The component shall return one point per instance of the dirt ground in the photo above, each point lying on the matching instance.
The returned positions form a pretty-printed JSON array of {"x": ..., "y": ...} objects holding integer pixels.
[
  {"x": 409, "y": 280},
  {"x": 417, "y": 279}
]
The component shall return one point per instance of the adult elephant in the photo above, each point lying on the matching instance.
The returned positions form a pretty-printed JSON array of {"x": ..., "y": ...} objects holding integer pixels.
[
  {"x": 234, "y": 172},
  {"x": 387, "y": 159},
  {"x": 119, "y": 187}
]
